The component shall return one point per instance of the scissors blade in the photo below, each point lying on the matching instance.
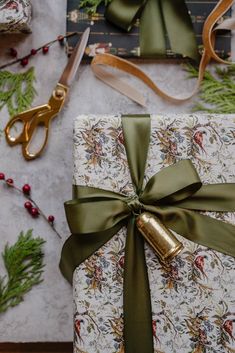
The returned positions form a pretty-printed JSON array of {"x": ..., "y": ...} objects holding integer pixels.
[{"x": 75, "y": 60}]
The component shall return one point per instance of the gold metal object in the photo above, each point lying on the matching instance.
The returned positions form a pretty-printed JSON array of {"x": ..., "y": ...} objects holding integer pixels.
[
  {"x": 42, "y": 115},
  {"x": 163, "y": 241},
  {"x": 32, "y": 118}
]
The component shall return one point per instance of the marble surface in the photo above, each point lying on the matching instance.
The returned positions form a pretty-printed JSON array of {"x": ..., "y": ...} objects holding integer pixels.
[{"x": 46, "y": 313}]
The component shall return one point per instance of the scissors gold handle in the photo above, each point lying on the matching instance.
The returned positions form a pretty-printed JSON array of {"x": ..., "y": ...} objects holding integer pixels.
[
  {"x": 42, "y": 115},
  {"x": 33, "y": 118}
]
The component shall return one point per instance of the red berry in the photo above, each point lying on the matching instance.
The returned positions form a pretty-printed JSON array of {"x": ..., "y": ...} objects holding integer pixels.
[
  {"x": 2, "y": 176},
  {"x": 33, "y": 51},
  {"x": 13, "y": 52},
  {"x": 60, "y": 39},
  {"x": 34, "y": 212},
  {"x": 10, "y": 181},
  {"x": 45, "y": 50},
  {"x": 26, "y": 189},
  {"x": 24, "y": 61},
  {"x": 51, "y": 219},
  {"x": 28, "y": 205}
]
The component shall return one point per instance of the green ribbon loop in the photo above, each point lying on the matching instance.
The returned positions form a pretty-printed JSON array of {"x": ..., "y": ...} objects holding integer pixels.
[
  {"x": 159, "y": 20},
  {"x": 175, "y": 194},
  {"x": 186, "y": 183}
]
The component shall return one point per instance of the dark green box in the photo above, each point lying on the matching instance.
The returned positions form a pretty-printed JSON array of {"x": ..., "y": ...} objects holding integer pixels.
[{"x": 107, "y": 38}]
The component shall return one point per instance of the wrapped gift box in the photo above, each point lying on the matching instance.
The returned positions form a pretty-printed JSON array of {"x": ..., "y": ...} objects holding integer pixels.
[
  {"x": 193, "y": 298},
  {"x": 15, "y": 16},
  {"x": 107, "y": 38}
]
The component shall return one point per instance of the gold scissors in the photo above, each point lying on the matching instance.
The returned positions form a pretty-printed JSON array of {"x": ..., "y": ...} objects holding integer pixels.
[{"x": 42, "y": 115}]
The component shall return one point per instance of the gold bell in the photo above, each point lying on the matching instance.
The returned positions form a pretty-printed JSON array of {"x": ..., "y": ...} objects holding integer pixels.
[{"x": 163, "y": 241}]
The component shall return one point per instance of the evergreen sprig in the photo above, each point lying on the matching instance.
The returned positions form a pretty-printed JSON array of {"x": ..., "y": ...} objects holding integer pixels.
[
  {"x": 17, "y": 91},
  {"x": 217, "y": 91},
  {"x": 90, "y": 6},
  {"x": 24, "y": 266}
]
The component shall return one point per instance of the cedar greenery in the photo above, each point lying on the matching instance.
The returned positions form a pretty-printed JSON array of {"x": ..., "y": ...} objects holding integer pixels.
[
  {"x": 24, "y": 266},
  {"x": 17, "y": 91},
  {"x": 217, "y": 91},
  {"x": 90, "y": 6}
]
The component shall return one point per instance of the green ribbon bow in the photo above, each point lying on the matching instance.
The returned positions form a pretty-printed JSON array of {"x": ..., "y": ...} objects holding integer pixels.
[
  {"x": 173, "y": 194},
  {"x": 159, "y": 20}
]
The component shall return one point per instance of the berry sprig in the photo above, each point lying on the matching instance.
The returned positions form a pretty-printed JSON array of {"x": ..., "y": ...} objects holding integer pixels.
[
  {"x": 30, "y": 205},
  {"x": 44, "y": 49}
]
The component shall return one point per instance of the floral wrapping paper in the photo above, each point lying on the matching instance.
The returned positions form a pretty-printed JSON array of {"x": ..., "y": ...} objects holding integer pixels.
[
  {"x": 15, "y": 16},
  {"x": 193, "y": 298}
]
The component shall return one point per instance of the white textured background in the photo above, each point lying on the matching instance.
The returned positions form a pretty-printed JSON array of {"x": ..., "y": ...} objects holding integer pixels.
[{"x": 46, "y": 314}]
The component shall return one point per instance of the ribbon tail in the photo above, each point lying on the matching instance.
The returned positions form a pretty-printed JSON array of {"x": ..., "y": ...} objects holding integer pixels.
[
  {"x": 180, "y": 28},
  {"x": 78, "y": 247},
  {"x": 198, "y": 228},
  {"x": 93, "y": 219},
  {"x": 138, "y": 335},
  {"x": 152, "y": 30},
  {"x": 210, "y": 232}
]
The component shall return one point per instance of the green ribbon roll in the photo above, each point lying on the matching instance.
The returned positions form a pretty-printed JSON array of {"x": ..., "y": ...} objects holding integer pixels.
[
  {"x": 159, "y": 20},
  {"x": 175, "y": 195}
]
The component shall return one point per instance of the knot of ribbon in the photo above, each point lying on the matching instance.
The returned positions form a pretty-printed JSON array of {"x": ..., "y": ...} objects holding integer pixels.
[
  {"x": 175, "y": 195},
  {"x": 161, "y": 21},
  {"x": 135, "y": 205}
]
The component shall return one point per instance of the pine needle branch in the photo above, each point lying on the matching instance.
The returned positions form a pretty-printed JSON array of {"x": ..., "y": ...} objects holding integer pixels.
[
  {"x": 217, "y": 91},
  {"x": 17, "y": 91},
  {"x": 90, "y": 6},
  {"x": 24, "y": 266}
]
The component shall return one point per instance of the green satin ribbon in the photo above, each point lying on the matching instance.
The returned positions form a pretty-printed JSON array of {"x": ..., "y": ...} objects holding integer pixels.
[
  {"x": 159, "y": 20},
  {"x": 175, "y": 195}
]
